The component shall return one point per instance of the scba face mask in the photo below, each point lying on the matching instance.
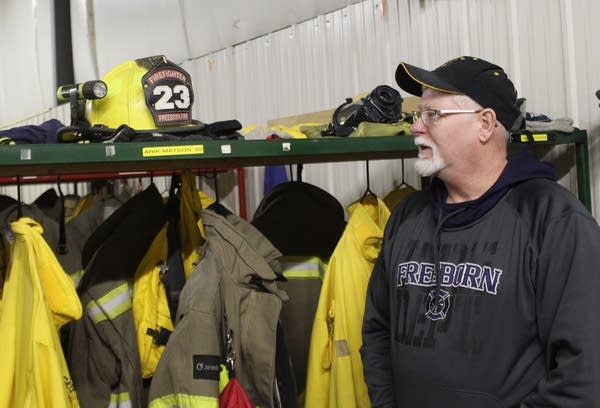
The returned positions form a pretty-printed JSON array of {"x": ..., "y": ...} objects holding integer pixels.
[{"x": 382, "y": 105}]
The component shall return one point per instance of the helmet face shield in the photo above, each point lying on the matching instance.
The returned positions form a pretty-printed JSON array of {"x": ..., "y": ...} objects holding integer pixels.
[{"x": 144, "y": 94}]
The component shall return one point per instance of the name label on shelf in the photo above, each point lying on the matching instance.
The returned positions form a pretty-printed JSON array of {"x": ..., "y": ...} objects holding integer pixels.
[{"x": 172, "y": 150}]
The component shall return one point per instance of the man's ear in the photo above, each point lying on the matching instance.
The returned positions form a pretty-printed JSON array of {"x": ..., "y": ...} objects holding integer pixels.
[{"x": 488, "y": 124}]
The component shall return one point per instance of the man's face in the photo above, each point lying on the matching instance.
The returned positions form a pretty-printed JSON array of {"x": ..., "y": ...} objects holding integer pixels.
[
  {"x": 443, "y": 144},
  {"x": 430, "y": 161}
]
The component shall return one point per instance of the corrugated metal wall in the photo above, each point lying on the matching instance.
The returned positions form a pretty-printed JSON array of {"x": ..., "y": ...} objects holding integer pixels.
[{"x": 547, "y": 47}]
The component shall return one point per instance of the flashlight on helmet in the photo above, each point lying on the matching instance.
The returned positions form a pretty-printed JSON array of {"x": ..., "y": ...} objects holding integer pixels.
[{"x": 85, "y": 90}]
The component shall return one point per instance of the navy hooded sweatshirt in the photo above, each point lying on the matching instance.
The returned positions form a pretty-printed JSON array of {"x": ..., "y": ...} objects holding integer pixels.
[{"x": 487, "y": 303}]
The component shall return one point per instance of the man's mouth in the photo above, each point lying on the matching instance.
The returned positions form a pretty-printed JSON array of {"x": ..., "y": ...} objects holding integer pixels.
[{"x": 424, "y": 151}]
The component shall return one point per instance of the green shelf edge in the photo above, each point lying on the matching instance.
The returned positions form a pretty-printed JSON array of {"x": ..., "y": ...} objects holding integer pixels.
[
  {"x": 64, "y": 158},
  {"x": 99, "y": 157}
]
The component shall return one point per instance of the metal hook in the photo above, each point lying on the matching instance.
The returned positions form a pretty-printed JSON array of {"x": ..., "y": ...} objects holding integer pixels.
[
  {"x": 62, "y": 235},
  {"x": 216, "y": 186},
  {"x": 19, "y": 205},
  {"x": 368, "y": 190},
  {"x": 403, "y": 181}
]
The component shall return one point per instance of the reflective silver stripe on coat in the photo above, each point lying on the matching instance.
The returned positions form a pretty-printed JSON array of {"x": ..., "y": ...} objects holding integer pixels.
[
  {"x": 302, "y": 267},
  {"x": 111, "y": 305},
  {"x": 120, "y": 400}
]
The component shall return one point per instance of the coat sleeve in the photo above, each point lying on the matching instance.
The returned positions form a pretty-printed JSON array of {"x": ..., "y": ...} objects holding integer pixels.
[
  {"x": 93, "y": 365},
  {"x": 375, "y": 350},
  {"x": 188, "y": 372},
  {"x": 567, "y": 282}
]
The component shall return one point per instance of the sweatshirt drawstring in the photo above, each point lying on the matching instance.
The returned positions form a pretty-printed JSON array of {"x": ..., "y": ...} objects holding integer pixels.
[{"x": 437, "y": 238}]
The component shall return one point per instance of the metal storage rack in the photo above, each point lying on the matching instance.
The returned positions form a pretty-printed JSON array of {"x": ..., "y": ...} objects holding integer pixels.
[
  {"x": 579, "y": 139},
  {"x": 18, "y": 161}
]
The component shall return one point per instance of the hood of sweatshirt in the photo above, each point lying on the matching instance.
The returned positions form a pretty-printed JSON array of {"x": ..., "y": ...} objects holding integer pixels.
[{"x": 522, "y": 165}]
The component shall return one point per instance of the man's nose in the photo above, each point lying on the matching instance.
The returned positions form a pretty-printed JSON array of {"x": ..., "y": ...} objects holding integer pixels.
[{"x": 417, "y": 126}]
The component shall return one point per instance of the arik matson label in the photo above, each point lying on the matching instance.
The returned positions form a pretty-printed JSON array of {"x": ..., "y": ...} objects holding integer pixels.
[{"x": 172, "y": 150}]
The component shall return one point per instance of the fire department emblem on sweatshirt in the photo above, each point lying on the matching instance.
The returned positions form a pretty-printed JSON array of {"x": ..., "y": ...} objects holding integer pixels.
[{"x": 437, "y": 310}]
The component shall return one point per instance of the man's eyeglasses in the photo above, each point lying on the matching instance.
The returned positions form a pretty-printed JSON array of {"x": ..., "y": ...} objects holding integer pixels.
[{"x": 432, "y": 116}]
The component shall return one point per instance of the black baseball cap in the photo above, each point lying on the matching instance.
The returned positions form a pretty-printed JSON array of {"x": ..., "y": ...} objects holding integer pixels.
[{"x": 484, "y": 82}]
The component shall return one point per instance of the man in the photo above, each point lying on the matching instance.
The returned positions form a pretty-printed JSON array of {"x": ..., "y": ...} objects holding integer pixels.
[{"x": 486, "y": 290}]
